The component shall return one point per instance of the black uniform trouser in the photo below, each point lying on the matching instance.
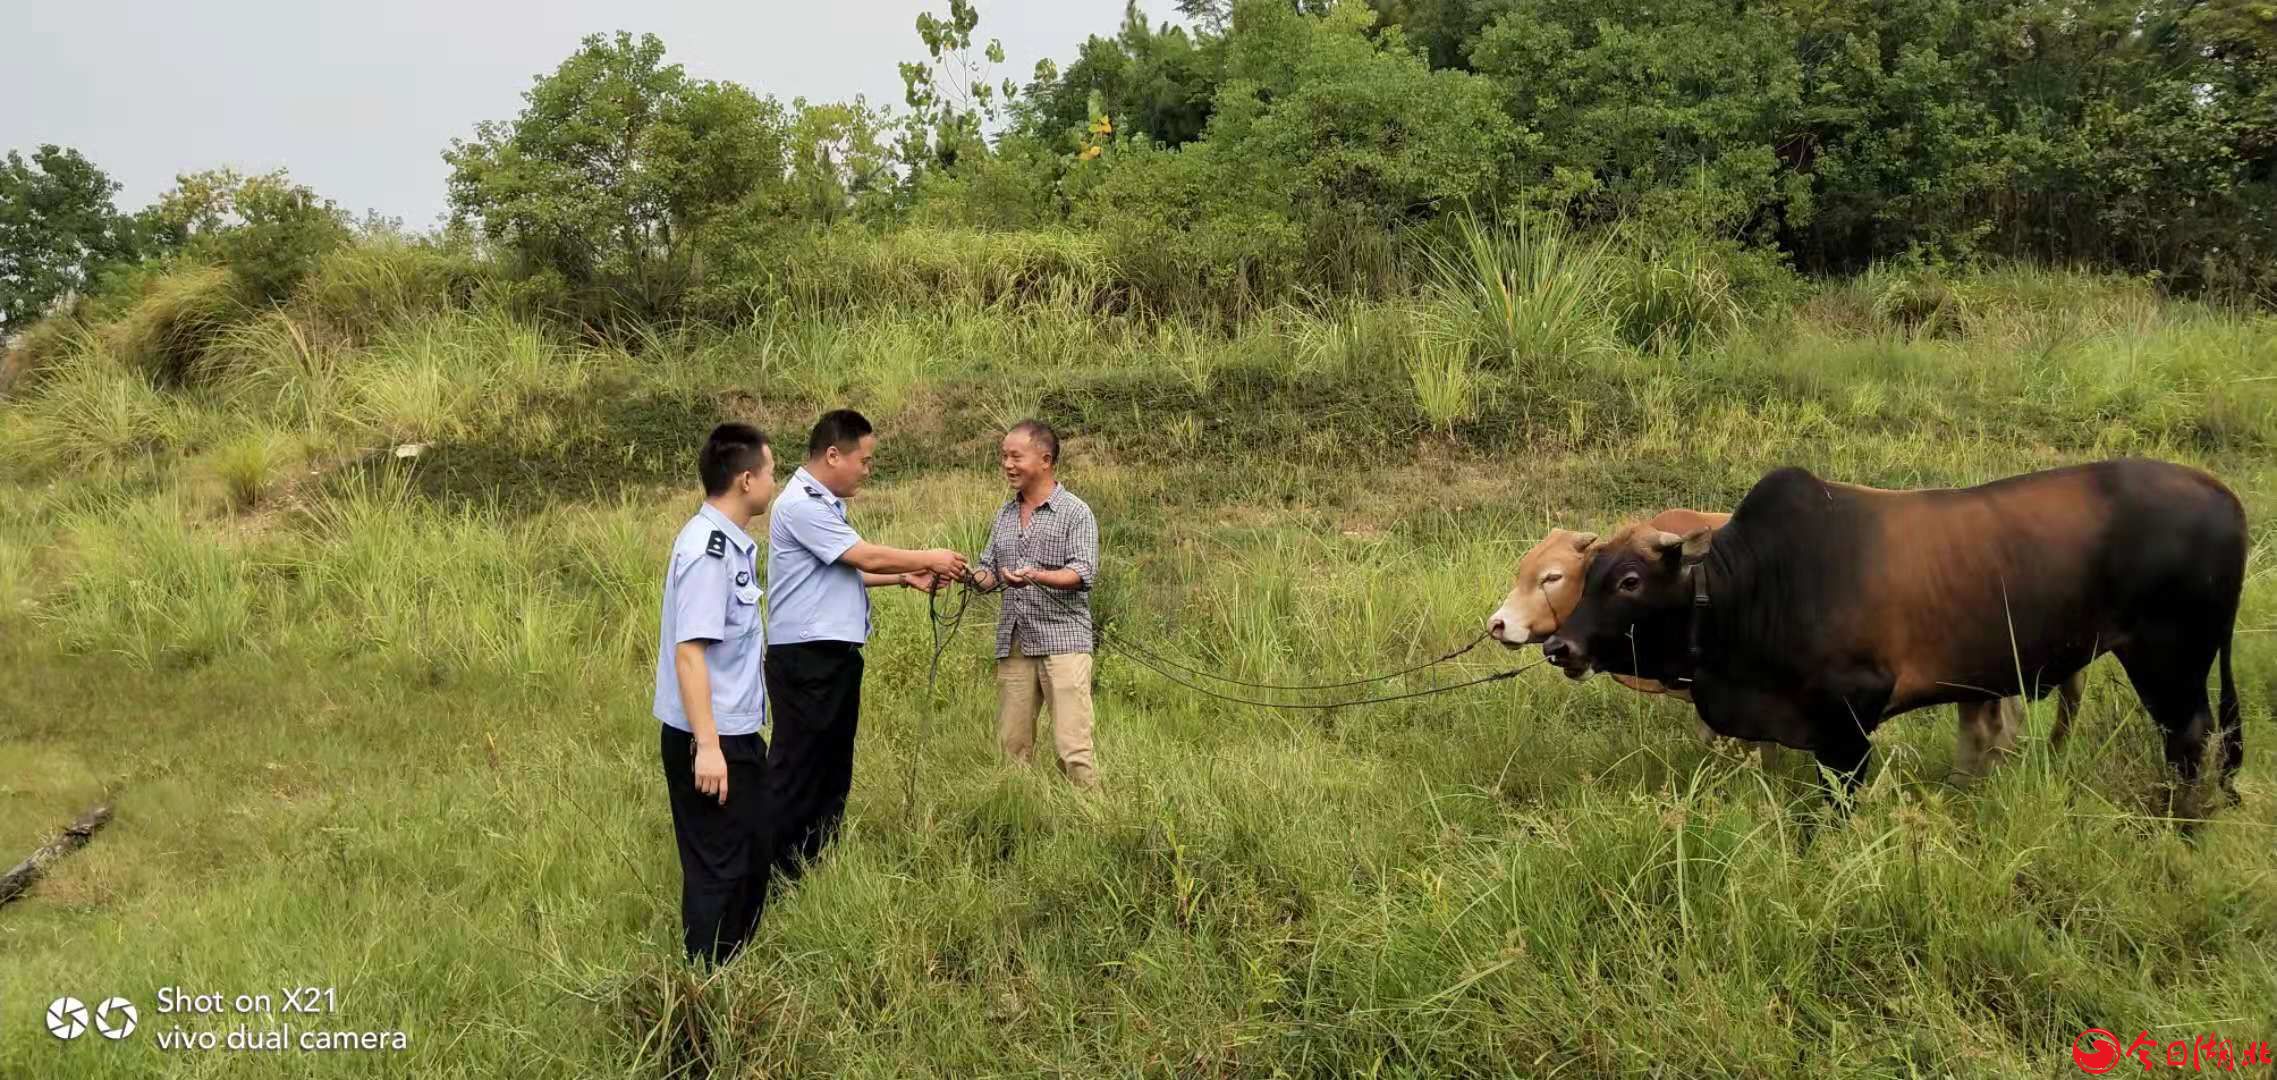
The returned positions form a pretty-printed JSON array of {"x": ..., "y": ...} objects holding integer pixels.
[
  {"x": 725, "y": 851},
  {"x": 814, "y": 702}
]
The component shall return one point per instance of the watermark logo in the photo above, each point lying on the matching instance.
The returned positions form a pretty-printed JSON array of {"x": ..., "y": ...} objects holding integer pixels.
[
  {"x": 2097, "y": 1051},
  {"x": 67, "y": 1018},
  {"x": 115, "y": 1018}
]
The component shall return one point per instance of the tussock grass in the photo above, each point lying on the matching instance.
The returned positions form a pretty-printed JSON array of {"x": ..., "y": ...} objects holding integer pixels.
[
  {"x": 249, "y": 467},
  {"x": 927, "y": 267},
  {"x": 89, "y": 410},
  {"x": 1523, "y": 292},
  {"x": 1446, "y": 384},
  {"x": 175, "y": 318},
  {"x": 380, "y": 739},
  {"x": 365, "y": 287}
]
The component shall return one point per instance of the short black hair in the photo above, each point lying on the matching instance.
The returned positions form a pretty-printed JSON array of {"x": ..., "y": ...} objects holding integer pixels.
[
  {"x": 732, "y": 448},
  {"x": 1042, "y": 435},
  {"x": 842, "y": 428}
]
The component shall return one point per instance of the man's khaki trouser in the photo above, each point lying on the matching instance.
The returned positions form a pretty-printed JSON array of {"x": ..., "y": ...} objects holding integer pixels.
[{"x": 1022, "y": 685}]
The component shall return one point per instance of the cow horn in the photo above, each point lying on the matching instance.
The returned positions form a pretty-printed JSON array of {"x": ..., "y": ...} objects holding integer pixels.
[
  {"x": 1664, "y": 542},
  {"x": 1581, "y": 541}
]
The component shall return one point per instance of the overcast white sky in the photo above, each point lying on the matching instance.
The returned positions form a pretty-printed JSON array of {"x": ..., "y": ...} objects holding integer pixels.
[{"x": 360, "y": 99}]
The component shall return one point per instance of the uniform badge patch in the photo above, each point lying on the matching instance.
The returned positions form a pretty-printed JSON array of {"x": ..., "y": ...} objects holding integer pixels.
[
  {"x": 716, "y": 547},
  {"x": 742, "y": 578}
]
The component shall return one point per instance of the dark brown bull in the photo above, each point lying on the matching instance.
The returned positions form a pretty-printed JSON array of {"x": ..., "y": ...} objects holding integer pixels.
[
  {"x": 1822, "y": 609},
  {"x": 1547, "y": 585}
]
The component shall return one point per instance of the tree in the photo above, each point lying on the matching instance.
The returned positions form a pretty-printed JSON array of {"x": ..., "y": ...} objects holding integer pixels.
[
  {"x": 840, "y": 163},
  {"x": 268, "y": 230},
  {"x": 58, "y": 229},
  {"x": 1669, "y": 109},
  {"x": 1324, "y": 131},
  {"x": 615, "y": 164},
  {"x": 1354, "y": 119},
  {"x": 1444, "y": 29},
  {"x": 1155, "y": 82},
  {"x": 951, "y": 100}
]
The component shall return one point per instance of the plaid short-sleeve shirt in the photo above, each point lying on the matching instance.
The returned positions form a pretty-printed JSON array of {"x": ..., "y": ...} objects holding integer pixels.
[{"x": 1061, "y": 535}]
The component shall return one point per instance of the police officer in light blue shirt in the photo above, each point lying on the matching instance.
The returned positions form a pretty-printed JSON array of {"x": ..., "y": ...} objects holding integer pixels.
[
  {"x": 819, "y": 573},
  {"x": 711, "y": 699}
]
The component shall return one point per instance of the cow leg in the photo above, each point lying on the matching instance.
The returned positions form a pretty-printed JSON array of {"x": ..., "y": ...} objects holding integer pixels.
[
  {"x": 2233, "y": 731},
  {"x": 1844, "y": 753},
  {"x": 2172, "y": 685},
  {"x": 1986, "y": 729},
  {"x": 2067, "y": 706},
  {"x": 1760, "y": 754}
]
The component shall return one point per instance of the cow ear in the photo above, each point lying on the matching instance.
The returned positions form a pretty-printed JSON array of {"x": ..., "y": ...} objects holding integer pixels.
[
  {"x": 1581, "y": 541},
  {"x": 1697, "y": 544}
]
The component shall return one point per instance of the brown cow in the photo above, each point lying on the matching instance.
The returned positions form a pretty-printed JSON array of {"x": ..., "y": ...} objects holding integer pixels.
[
  {"x": 1822, "y": 609},
  {"x": 1547, "y": 585}
]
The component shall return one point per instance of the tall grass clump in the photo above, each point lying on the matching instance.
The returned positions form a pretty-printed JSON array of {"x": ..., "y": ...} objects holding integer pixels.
[
  {"x": 39, "y": 345},
  {"x": 90, "y": 411},
  {"x": 250, "y": 466},
  {"x": 1678, "y": 301},
  {"x": 1915, "y": 303},
  {"x": 365, "y": 287},
  {"x": 1446, "y": 382},
  {"x": 175, "y": 318},
  {"x": 146, "y": 586},
  {"x": 1523, "y": 293},
  {"x": 856, "y": 268},
  {"x": 448, "y": 375},
  {"x": 288, "y": 368}
]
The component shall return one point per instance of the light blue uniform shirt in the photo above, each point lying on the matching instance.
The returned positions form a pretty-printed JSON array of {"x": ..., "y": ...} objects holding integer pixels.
[
  {"x": 711, "y": 594},
  {"x": 816, "y": 597}
]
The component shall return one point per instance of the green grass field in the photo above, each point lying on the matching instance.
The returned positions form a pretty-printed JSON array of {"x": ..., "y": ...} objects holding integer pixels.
[{"x": 380, "y": 724}]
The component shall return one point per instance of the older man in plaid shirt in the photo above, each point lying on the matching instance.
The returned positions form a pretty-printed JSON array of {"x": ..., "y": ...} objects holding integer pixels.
[{"x": 1044, "y": 550}]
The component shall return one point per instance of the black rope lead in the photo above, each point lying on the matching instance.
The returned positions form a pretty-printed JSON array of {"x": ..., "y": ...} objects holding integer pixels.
[
  {"x": 1426, "y": 692},
  {"x": 945, "y": 625},
  {"x": 1099, "y": 634}
]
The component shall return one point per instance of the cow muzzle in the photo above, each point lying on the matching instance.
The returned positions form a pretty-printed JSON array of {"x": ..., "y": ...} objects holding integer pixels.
[
  {"x": 1567, "y": 656},
  {"x": 1501, "y": 629}
]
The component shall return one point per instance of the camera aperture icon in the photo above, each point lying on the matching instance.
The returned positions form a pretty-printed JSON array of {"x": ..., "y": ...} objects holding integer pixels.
[
  {"x": 67, "y": 1018},
  {"x": 115, "y": 1018}
]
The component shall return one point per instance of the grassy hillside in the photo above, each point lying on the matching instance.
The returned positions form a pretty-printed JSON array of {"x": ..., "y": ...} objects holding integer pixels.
[{"x": 378, "y": 723}]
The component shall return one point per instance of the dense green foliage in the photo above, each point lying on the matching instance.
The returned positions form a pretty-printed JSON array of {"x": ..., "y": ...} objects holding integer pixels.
[
  {"x": 1268, "y": 150},
  {"x": 57, "y": 228},
  {"x": 1268, "y": 146}
]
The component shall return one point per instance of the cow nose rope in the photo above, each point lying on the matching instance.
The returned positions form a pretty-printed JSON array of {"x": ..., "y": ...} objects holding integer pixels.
[{"x": 947, "y": 622}]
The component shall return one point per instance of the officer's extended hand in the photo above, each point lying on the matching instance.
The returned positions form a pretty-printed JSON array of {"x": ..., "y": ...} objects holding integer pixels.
[
  {"x": 924, "y": 581},
  {"x": 942, "y": 562},
  {"x": 711, "y": 772}
]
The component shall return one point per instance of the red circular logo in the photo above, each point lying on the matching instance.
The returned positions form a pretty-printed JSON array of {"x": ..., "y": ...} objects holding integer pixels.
[{"x": 2096, "y": 1050}]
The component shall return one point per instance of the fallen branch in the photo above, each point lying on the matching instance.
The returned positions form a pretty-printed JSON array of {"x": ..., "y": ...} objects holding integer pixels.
[{"x": 74, "y": 837}]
